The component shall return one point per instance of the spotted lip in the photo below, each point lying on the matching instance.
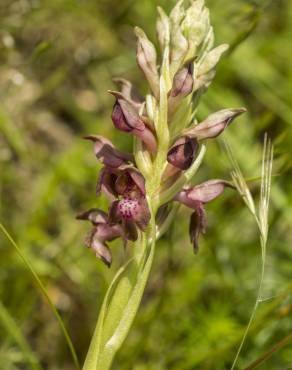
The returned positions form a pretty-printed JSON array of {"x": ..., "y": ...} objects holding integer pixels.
[{"x": 128, "y": 208}]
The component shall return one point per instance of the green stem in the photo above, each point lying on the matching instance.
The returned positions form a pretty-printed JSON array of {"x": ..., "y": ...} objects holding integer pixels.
[
  {"x": 121, "y": 304},
  {"x": 257, "y": 302}
]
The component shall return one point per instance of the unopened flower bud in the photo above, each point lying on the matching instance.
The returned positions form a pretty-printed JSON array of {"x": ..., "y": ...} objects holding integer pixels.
[
  {"x": 183, "y": 82},
  {"x": 146, "y": 58}
]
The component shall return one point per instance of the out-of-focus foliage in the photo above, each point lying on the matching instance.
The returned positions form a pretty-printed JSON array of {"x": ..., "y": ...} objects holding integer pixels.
[{"x": 57, "y": 58}]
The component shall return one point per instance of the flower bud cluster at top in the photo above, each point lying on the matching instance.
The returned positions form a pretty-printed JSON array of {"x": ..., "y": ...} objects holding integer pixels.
[{"x": 168, "y": 141}]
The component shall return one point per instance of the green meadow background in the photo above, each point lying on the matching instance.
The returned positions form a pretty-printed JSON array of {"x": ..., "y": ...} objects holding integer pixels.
[{"x": 57, "y": 60}]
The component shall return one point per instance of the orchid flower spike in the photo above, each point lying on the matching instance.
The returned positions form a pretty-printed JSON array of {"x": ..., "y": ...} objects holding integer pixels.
[{"x": 144, "y": 187}]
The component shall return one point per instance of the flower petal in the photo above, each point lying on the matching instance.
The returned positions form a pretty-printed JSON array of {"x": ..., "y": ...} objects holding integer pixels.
[
  {"x": 107, "y": 153},
  {"x": 94, "y": 215},
  {"x": 207, "y": 191},
  {"x": 129, "y": 92},
  {"x": 130, "y": 230},
  {"x": 101, "y": 250},
  {"x": 106, "y": 183},
  {"x": 125, "y": 115},
  {"x": 126, "y": 118},
  {"x": 182, "y": 153},
  {"x": 215, "y": 124},
  {"x": 143, "y": 215},
  {"x": 129, "y": 181},
  {"x": 114, "y": 212},
  {"x": 203, "y": 193},
  {"x": 197, "y": 226}
]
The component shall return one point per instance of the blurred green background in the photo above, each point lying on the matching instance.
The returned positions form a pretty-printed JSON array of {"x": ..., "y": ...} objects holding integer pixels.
[{"x": 57, "y": 59}]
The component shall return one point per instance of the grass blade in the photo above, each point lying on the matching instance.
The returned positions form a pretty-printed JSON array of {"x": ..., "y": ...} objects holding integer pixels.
[
  {"x": 269, "y": 353},
  {"x": 44, "y": 292},
  {"x": 15, "y": 333}
]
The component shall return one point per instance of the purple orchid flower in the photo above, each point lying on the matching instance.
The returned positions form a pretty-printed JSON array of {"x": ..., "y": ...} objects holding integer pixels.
[
  {"x": 195, "y": 198},
  {"x": 126, "y": 118},
  {"x": 103, "y": 231},
  {"x": 125, "y": 188}
]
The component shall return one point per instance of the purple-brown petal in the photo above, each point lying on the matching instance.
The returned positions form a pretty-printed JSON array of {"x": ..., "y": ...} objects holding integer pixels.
[
  {"x": 106, "y": 183},
  {"x": 203, "y": 193},
  {"x": 215, "y": 124},
  {"x": 130, "y": 230},
  {"x": 138, "y": 179},
  {"x": 114, "y": 212},
  {"x": 98, "y": 237},
  {"x": 207, "y": 191},
  {"x": 148, "y": 138},
  {"x": 131, "y": 210},
  {"x": 102, "y": 251},
  {"x": 94, "y": 215},
  {"x": 129, "y": 92},
  {"x": 106, "y": 152},
  {"x": 125, "y": 115},
  {"x": 108, "y": 232},
  {"x": 142, "y": 216},
  {"x": 183, "y": 152},
  {"x": 197, "y": 226},
  {"x": 119, "y": 119},
  {"x": 129, "y": 181}
]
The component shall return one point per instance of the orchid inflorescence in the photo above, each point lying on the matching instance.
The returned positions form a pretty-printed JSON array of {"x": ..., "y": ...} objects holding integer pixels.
[{"x": 169, "y": 144}]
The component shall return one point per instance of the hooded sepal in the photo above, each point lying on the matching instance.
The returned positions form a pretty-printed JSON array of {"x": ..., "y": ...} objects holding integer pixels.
[
  {"x": 130, "y": 182},
  {"x": 106, "y": 183},
  {"x": 214, "y": 124},
  {"x": 126, "y": 118},
  {"x": 202, "y": 193},
  {"x": 183, "y": 152}
]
